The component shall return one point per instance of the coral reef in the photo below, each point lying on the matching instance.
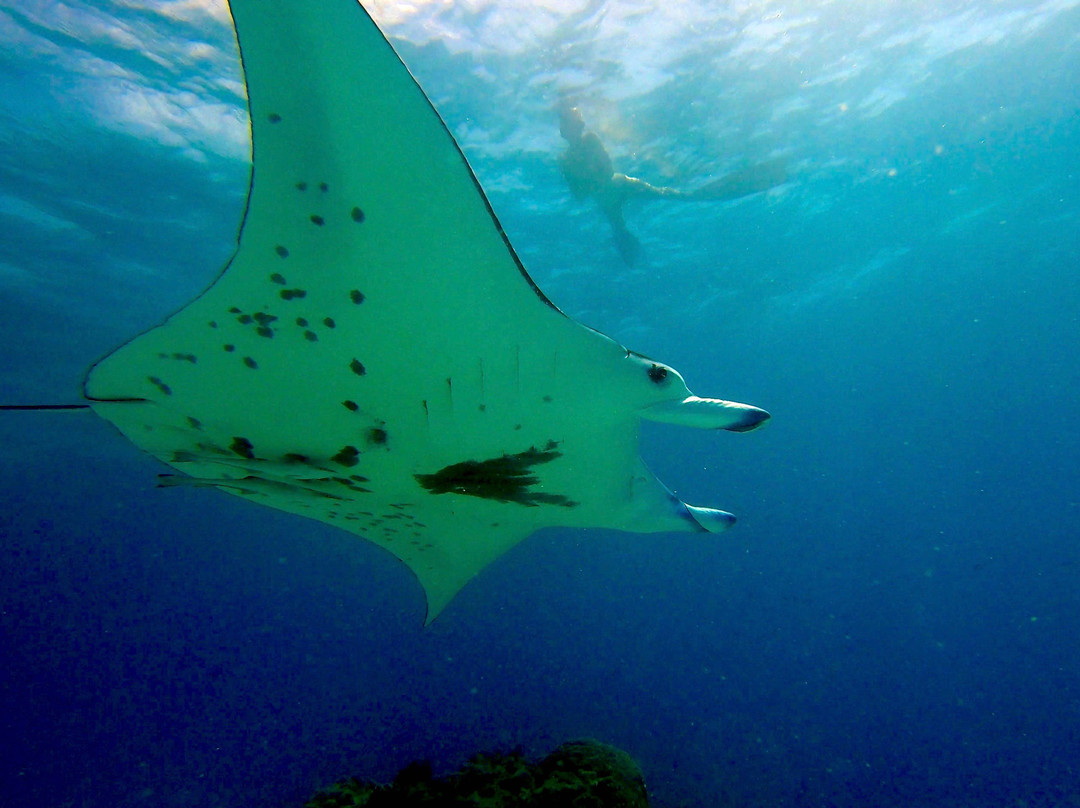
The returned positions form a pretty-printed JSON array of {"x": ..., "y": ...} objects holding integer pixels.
[{"x": 578, "y": 774}]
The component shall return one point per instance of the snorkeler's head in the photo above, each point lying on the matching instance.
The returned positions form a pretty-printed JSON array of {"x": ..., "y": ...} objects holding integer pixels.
[{"x": 571, "y": 124}]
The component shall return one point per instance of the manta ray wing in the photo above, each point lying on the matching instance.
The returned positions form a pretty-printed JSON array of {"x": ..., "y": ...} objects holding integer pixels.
[{"x": 374, "y": 355}]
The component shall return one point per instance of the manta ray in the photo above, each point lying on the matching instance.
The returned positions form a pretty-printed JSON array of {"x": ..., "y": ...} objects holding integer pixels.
[{"x": 374, "y": 355}]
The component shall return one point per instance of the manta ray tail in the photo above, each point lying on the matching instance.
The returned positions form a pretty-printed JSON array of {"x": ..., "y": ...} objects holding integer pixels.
[{"x": 44, "y": 406}]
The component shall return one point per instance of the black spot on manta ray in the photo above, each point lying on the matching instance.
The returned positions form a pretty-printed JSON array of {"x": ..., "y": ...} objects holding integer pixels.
[
  {"x": 348, "y": 456},
  {"x": 290, "y": 294},
  {"x": 265, "y": 331},
  {"x": 273, "y": 117},
  {"x": 234, "y": 310},
  {"x": 160, "y": 385},
  {"x": 277, "y": 277},
  {"x": 300, "y": 321},
  {"x": 356, "y": 296},
  {"x": 194, "y": 423},
  {"x": 242, "y": 447},
  {"x": 377, "y": 436},
  {"x": 357, "y": 367},
  {"x": 262, "y": 318},
  {"x": 251, "y": 363},
  {"x": 503, "y": 479},
  {"x": 229, "y": 348},
  {"x": 350, "y": 405},
  {"x": 357, "y": 215},
  {"x": 352, "y": 486},
  {"x": 324, "y": 187},
  {"x": 311, "y": 336},
  {"x": 245, "y": 319},
  {"x": 317, "y": 220},
  {"x": 329, "y": 322},
  {"x": 282, "y": 251},
  {"x": 301, "y": 186}
]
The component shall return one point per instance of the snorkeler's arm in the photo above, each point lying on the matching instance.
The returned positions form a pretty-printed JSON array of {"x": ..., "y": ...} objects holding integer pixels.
[{"x": 632, "y": 186}]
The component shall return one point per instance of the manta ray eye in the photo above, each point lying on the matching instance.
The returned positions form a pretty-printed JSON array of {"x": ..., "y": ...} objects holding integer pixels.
[{"x": 658, "y": 373}]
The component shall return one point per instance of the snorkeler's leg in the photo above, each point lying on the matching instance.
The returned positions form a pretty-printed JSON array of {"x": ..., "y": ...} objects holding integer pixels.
[
  {"x": 626, "y": 243},
  {"x": 632, "y": 186},
  {"x": 746, "y": 181}
]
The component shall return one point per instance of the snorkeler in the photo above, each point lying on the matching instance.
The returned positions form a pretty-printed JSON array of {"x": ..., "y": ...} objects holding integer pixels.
[{"x": 588, "y": 170}]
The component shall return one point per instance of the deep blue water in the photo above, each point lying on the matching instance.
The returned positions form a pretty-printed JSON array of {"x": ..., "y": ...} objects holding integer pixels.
[{"x": 895, "y": 620}]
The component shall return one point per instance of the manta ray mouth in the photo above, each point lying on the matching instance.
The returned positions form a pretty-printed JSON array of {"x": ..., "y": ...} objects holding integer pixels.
[{"x": 706, "y": 413}]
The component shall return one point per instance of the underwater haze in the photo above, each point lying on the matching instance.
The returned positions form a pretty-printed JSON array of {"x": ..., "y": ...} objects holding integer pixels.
[{"x": 894, "y": 621}]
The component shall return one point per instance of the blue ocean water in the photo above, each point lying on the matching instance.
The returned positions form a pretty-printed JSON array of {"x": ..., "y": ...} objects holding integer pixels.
[{"x": 895, "y": 621}]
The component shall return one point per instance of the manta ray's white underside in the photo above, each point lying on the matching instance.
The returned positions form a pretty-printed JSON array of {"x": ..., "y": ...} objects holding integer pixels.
[{"x": 375, "y": 356}]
